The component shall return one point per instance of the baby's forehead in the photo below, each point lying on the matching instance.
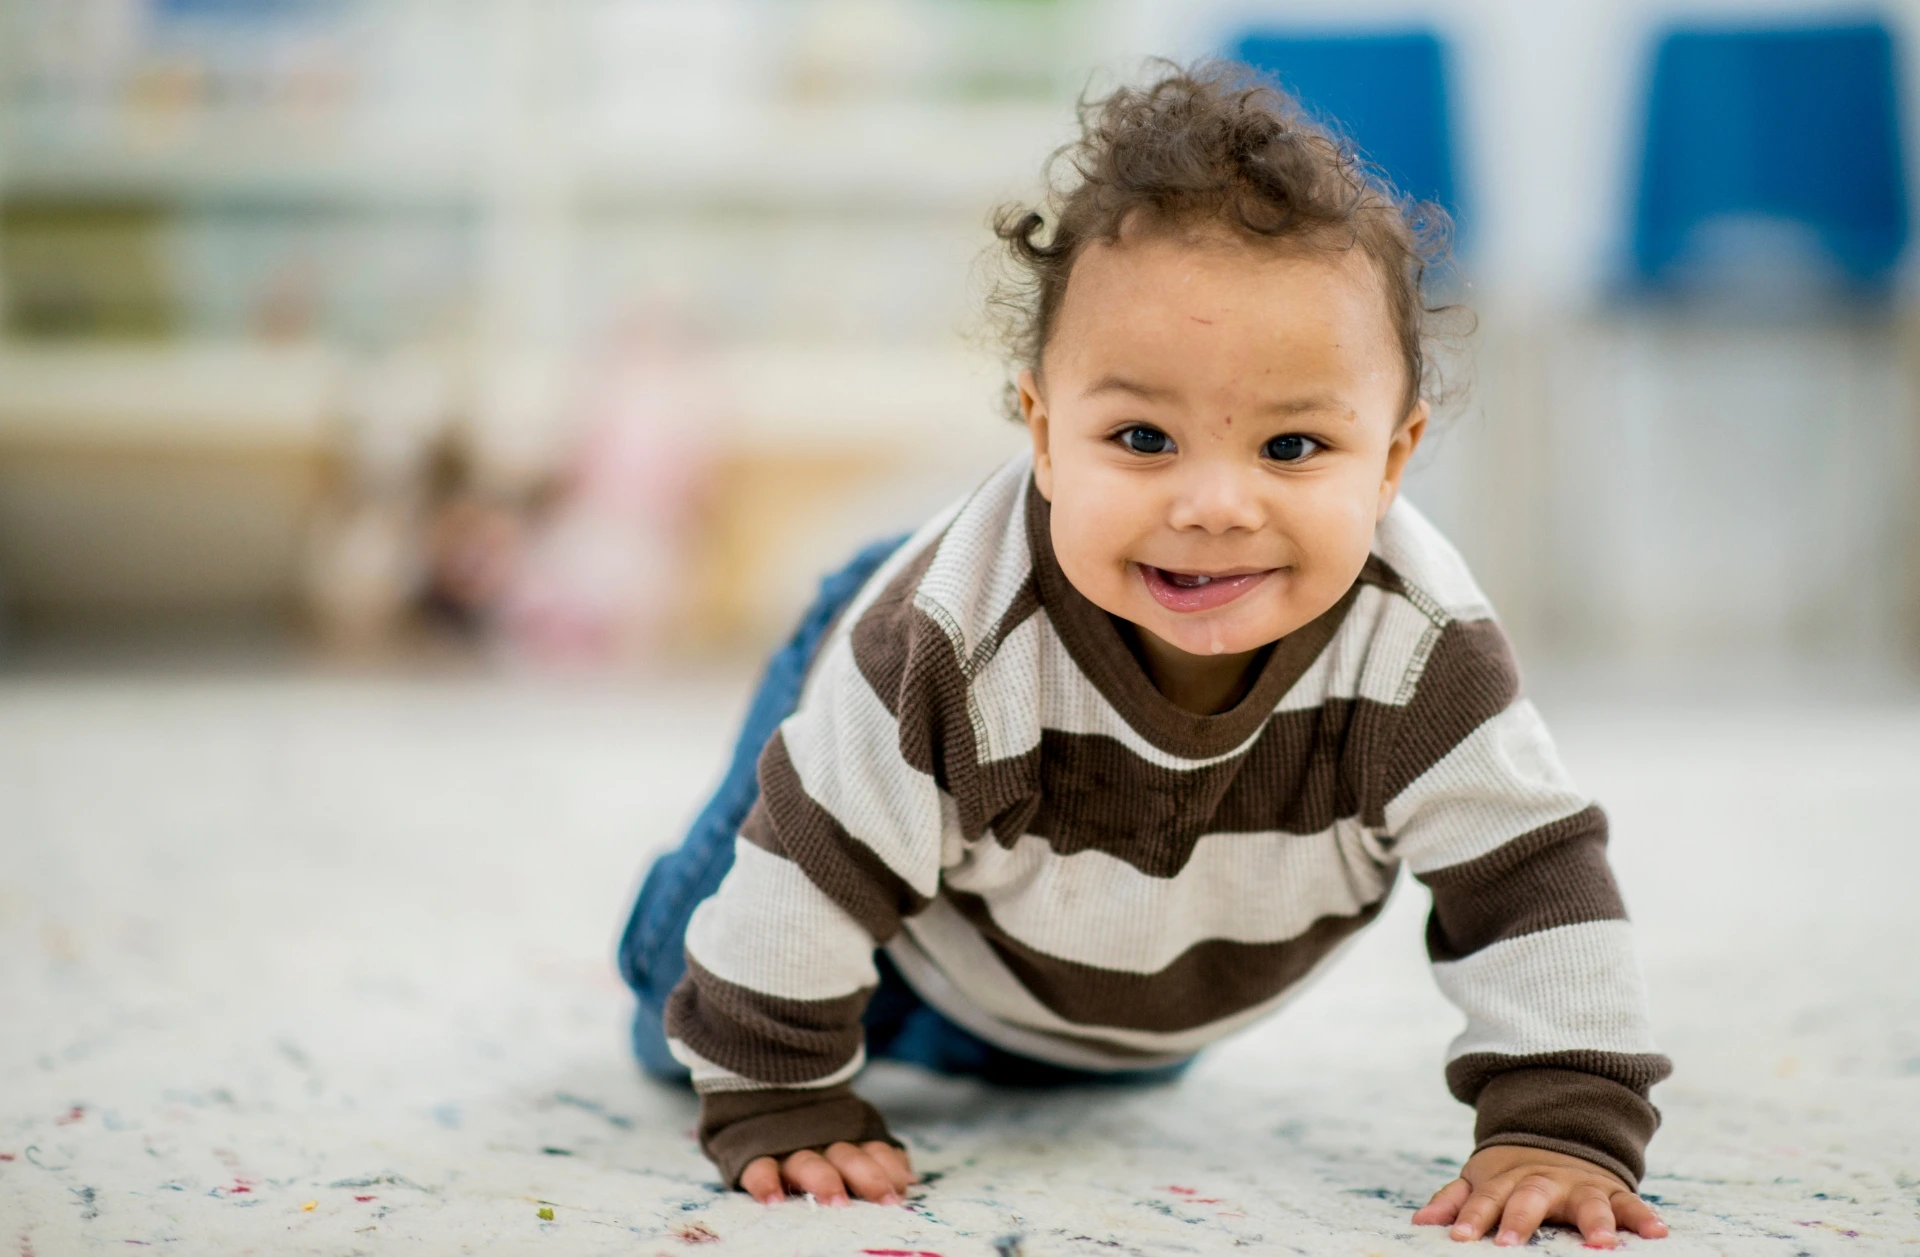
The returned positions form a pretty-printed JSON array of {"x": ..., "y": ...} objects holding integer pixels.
[
  {"x": 1190, "y": 313},
  {"x": 1219, "y": 247},
  {"x": 1207, "y": 269}
]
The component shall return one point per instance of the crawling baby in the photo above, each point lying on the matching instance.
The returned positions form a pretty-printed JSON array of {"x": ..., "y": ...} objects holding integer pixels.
[{"x": 1107, "y": 758}]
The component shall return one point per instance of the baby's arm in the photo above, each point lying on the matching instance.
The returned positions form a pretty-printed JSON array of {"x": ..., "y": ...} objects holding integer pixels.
[
  {"x": 768, "y": 1020},
  {"x": 844, "y": 842},
  {"x": 1529, "y": 938}
]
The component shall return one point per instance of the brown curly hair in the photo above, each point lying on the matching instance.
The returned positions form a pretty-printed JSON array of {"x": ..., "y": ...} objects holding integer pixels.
[{"x": 1214, "y": 144}]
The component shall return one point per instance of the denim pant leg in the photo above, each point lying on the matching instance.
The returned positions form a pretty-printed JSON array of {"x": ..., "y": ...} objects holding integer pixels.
[
  {"x": 653, "y": 947},
  {"x": 903, "y": 1027}
]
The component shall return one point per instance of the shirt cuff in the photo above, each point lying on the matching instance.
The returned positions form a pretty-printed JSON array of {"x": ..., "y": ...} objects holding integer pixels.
[
  {"x": 1564, "y": 1110},
  {"x": 738, "y": 1127}
]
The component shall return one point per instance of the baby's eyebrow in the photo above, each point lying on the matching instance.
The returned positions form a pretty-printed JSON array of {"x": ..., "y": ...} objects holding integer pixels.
[
  {"x": 1121, "y": 384},
  {"x": 1302, "y": 405}
]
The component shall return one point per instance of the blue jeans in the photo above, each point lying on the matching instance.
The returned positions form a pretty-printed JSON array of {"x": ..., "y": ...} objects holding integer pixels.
[{"x": 899, "y": 1024}]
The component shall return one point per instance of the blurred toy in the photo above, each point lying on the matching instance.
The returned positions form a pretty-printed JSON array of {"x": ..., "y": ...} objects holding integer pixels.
[
  {"x": 602, "y": 575},
  {"x": 361, "y": 571},
  {"x": 474, "y": 539}
]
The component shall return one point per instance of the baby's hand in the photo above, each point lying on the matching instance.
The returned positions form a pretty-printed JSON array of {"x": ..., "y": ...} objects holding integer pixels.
[
  {"x": 1523, "y": 1187},
  {"x": 875, "y": 1170}
]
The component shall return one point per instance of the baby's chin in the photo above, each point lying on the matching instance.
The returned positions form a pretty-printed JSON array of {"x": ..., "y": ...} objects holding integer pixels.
[
  {"x": 1212, "y": 633},
  {"x": 1231, "y": 630}
]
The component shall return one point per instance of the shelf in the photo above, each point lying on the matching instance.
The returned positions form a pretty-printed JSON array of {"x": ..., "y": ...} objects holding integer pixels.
[
  {"x": 141, "y": 396},
  {"x": 225, "y": 160},
  {"x": 904, "y": 157},
  {"x": 907, "y": 157},
  {"x": 914, "y": 402},
  {"x": 923, "y": 400}
]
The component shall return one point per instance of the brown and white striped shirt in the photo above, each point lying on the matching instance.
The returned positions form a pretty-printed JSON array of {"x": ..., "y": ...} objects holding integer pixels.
[{"x": 981, "y": 779}]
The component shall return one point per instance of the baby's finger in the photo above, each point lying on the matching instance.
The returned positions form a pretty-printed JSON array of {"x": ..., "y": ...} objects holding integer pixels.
[
  {"x": 1445, "y": 1205},
  {"x": 863, "y": 1175},
  {"x": 1594, "y": 1216},
  {"x": 1476, "y": 1216},
  {"x": 893, "y": 1160},
  {"x": 809, "y": 1172},
  {"x": 1526, "y": 1209},
  {"x": 1636, "y": 1215},
  {"x": 761, "y": 1180}
]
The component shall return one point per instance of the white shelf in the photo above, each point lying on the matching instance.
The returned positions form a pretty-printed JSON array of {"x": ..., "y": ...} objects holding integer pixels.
[
  {"x": 911, "y": 157},
  {"x": 217, "y": 158},
  {"x": 896, "y": 400},
  {"x": 862, "y": 396},
  {"x": 231, "y": 395},
  {"x": 906, "y": 156}
]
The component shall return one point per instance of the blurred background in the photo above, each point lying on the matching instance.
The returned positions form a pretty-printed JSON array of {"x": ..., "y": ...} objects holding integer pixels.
[
  {"x": 587, "y": 333},
  {"x": 418, "y": 418}
]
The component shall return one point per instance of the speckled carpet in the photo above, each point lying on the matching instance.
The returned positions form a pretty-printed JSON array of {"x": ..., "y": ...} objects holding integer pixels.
[{"x": 309, "y": 966}]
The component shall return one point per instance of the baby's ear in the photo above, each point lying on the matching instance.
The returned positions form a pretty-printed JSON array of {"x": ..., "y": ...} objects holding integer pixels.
[
  {"x": 1406, "y": 439},
  {"x": 1033, "y": 408}
]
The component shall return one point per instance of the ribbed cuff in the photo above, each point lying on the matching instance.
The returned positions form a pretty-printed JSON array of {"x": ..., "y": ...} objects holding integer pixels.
[
  {"x": 1563, "y": 1110},
  {"x": 738, "y": 1127}
]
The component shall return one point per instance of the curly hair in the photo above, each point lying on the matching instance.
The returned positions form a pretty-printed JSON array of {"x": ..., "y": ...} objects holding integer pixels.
[{"x": 1214, "y": 144}]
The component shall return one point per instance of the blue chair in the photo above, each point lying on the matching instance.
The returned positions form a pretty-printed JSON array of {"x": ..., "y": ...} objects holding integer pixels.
[
  {"x": 1799, "y": 125},
  {"x": 1387, "y": 92}
]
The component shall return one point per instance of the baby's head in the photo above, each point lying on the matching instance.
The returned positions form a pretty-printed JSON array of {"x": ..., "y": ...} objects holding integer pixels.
[{"x": 1221, "y": 325}]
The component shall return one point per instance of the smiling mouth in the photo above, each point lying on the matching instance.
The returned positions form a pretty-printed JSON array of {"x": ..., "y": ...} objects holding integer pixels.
[{"x": 1197, "y": 591}]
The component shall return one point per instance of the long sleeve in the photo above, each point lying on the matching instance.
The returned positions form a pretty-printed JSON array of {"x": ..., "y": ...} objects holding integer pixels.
[
  {"x": 980, "y": 777},
  {"x": 1528, "y": 935},
  {"x": 844, "y": 841}
]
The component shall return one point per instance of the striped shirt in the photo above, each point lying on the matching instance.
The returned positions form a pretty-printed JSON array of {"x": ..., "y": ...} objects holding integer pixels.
[{"x": 981, "y": 779}]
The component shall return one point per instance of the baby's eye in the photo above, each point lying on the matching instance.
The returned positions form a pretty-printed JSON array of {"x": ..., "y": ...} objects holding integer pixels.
[
  {"x": 1291, "y": 448},
  {"x": 1144, "y": 440}
]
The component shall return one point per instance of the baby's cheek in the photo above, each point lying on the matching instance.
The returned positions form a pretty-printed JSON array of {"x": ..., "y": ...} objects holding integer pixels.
[
  {"x": 1330, "y": 545},
  {"x": 1101, "y": 526},
  {"x": 1091, "y": 551},
  {"x": 1333, "y": 527}
]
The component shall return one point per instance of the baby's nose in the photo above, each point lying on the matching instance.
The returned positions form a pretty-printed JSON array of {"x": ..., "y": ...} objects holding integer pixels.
[{"x": 1217, "y": 501}]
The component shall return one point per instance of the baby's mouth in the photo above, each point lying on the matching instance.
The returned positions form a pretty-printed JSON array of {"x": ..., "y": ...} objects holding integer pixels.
[{"x": 1197, "y": 591}]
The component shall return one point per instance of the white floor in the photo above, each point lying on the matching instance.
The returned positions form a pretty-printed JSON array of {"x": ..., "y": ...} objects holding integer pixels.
[{"x": 312, "y": 966}]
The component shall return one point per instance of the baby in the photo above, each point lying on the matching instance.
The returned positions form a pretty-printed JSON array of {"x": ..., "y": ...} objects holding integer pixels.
[{"x": 1105, "y": 760}]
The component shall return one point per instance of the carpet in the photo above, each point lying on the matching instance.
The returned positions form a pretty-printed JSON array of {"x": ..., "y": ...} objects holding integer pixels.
[{"x": 291, "y": 964}]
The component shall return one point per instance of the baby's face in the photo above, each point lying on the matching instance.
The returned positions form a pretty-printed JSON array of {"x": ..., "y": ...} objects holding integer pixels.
[{"x": 1218, "y": 426}]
